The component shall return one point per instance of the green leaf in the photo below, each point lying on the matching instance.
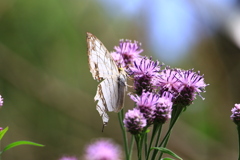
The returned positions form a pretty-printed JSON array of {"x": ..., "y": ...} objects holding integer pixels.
[
  {"x": 147, "y": 131},
  {"x": 2, "y": 132},
  {"x": 167, "y": 158},
  {"x": 14, "y": 144},
  {"x": 167, "y": 151}
]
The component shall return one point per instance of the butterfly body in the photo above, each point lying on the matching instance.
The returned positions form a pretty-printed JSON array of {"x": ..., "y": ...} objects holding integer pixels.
[
  {"x": 111, "y": 90},
  {"x": 122, "y": 87}
]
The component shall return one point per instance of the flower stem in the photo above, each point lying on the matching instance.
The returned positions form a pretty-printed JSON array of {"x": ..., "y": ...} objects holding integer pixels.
[
  {"x": 159, "y": 134},
  {"x": 173, "y": 121},
  {"x": 238, "y": 128},
  {"x": 1, "y": 151},
  {"x": 131, "y": 147},
  {"x": 120, "y": 118},
  {"x": 155, "y": 130},
  {"x": 138, "y": 139},
  {"x": 144, "y": 142},
  {"x": 175, "y": 116}
]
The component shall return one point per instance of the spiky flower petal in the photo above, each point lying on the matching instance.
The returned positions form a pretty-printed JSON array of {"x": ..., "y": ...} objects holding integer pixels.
[
  {"x": 236, "y": 114},
  {"x": 163, "y": 108},
  {"x": 103, "y": 149},
  {"x": 190, "y": 84},
  {"x": 144, "y": 71},
  {"x": 126, "y": 53},
  {"x": 134, "y": 121},
  {"x": 146, "y": 103}
]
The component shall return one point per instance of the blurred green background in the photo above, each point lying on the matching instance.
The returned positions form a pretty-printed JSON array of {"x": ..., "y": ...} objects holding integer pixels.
[{"x": 48, "y": 90}]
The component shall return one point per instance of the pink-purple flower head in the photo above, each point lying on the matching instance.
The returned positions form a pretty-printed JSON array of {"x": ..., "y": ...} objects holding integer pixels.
[
  {"x": 145, "y": 71},
  {"x": 236, "y": 114},
  {"x": 163, "y": 108},
  {"x": 134, "y": 121},
  {"x": 189, "y": 84},
  {"x": 145, "y": 66},
  {"x": 118, "y": 60},
  {"x": 191, "y": 79},
  {"x": 103, "y": 149},
  {"x": 183, "y": 84},
  {"x": 146, "y": 103},
  {"x": 126, "y": 52},
  {"x": 68, "y": 158},
  {"x": 167, "y": 81}
]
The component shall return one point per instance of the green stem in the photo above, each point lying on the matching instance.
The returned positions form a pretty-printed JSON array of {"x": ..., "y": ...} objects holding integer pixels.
[
  {"x": 173, "y": 121},
  {"x": 155, "y": 130},
  {"x": 131, "y": 147},
  {"x": 159, "y": 134},
  {"x": 175, "y": 116},
  {"x": 138, "y": 140},
  {"x": 164, "y": 145},
  {"x": 145, "y": 145},
  {"x": 1, "y": 151},
  {"x": 158, "y": 138},
  {"x": 238, "y": 128},
  {"x": 120, "y": 118}
]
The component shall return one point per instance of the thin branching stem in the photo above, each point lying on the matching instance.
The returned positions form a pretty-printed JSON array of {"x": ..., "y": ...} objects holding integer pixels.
[
  {"x": 120, "y": 118},
  {"x": 145, "y": 144},
  {"x": 238, "y": 128},
  {"x": 138, "y": 139},
  {"x": 131, "y": 147},
  {"x": 155, "y": 130},
  {"x": 173, "y": 121},
  {"x": 175, "y": 116},
  {"x": 159, "y": 134}
]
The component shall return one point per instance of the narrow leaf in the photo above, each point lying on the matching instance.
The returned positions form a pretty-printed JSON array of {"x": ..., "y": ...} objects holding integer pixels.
[
  {"x": 167, "y": 158},
  {"x": 147, "y": 131},
  {"x": 167, "y": 151},
  {"x": 14, "y": 144},
  {"x": 2, "y": 132}
]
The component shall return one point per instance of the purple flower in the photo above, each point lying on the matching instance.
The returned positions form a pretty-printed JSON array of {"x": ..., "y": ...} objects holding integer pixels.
[
  {"x": 168, "y": 81},
  {"x": 145, "y": 71},
  {"x": 134, "y": 121},
  {"x": 68, "y": 158},
  {"x": 1, "y": 101},
  {"x": 163, "y": 108},
  {"x": 190, "y": 83},
  {"x": 118, "y": 59},
  {"x": 146, "y": 103},
  {"x": 236, "y": 114},
  {"x": 126, "y": 52},
  {"x": 184, "y": 85},
  {"x": 103, "y": 149}
]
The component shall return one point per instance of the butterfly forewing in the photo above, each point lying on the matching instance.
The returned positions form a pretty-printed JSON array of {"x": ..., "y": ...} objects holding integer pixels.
[
  {"x": 100, "y": 61},
  {"x": 110, "y": 92}
]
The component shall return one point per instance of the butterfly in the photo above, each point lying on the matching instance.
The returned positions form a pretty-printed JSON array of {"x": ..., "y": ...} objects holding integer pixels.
[{"x": 111, "y": 90}]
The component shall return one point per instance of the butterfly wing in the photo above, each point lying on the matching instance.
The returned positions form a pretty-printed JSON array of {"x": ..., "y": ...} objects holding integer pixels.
[
  {"x": 110, "y": 92},
  {"x": 101, "y": 64}
]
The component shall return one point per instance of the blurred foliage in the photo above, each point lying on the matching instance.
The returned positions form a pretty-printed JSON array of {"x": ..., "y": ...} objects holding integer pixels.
[{"x": 48, "y": 90}]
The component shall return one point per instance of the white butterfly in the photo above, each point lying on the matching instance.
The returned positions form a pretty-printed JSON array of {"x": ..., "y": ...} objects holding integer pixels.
[{"x": 111, "y": 91}]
